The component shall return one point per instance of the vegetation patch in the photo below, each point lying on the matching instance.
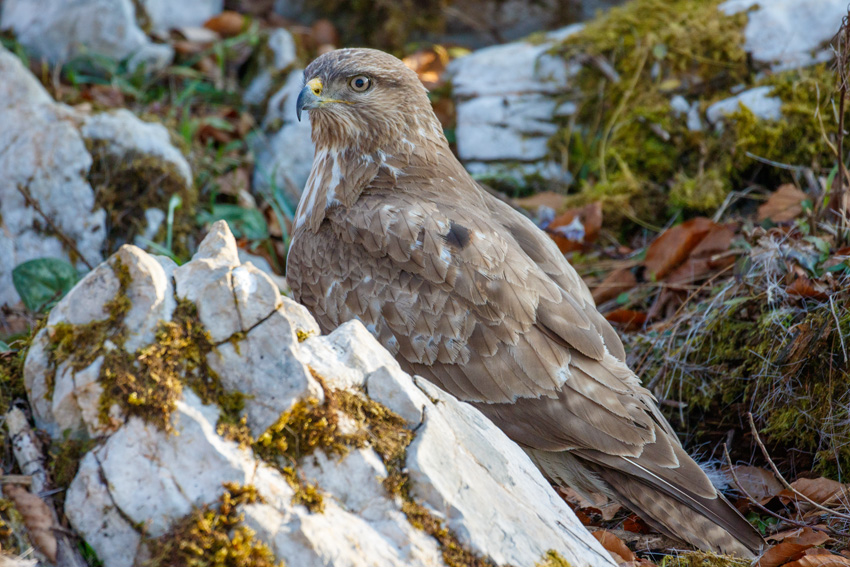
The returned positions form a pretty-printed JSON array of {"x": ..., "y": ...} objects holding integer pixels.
[
  {"x": 553, "y": 559},
  {"x": 82, "y": 344},
  {"x": 627, "y": 148},
  {"x": 128, "y": 184},
  {"x": 148, "y": 382},
  {"x": 214, "y": 537},
  {"x": 306, "y": 494},
  {"x": 702, "y": 559},
  {"x": 754, "y": 346}
]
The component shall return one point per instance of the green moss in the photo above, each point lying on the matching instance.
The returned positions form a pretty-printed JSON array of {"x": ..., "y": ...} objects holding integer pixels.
[
  {"x": 12, "y": 373},
  {"x": 311, "y": 425},
  {"x": 63, "y": 461},
  {"x": 624, "y": 136},
  {"x": 782, "y": 361},
  {"x": 553, "y": 559},
  {"x": 11, "y": 529},
  {"x": 627, "y": 149},
  {"x": 702, "y": 559},
  {"x": 214, "y": 538},
  {"x": 306, "y": 494},
  {"x": 149, "y": 382},
  {"x": 81, "y": 345},
  {"x": 303, "y": 335},
  {"x": 129, "y": 184}
]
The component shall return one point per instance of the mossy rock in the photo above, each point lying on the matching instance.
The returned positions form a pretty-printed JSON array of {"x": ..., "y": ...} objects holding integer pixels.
[
  {"x": 127, "y": 184},
  {"x": 627, "y": 147}
]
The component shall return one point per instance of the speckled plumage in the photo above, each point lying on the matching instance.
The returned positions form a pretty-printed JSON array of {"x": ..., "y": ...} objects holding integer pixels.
[{"x": 468, "y": 293}]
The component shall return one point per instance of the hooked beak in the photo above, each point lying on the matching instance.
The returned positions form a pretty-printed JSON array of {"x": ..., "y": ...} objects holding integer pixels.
[{"x": 310, "y": 97}]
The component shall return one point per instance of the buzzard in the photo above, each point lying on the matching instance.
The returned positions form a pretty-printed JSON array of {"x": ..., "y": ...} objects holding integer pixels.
[{"x": 466, "y": 292}]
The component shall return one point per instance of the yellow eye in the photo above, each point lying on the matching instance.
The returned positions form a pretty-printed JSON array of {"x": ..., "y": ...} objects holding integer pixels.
[{"x": 360, "y": 83}]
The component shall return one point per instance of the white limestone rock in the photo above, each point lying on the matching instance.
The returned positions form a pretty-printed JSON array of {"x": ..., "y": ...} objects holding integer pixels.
[
  {"x": 124, "y": 133},
  {"x": 165, "y": 15},
  {"x": 756, "y": 100},
  {"x": 284, "y": 151},
  {"x": 462, "y": 468},
  {"x": 505, "y": 104},
  {"x": 43, "y": 156},
  {"x": 58, "y": 30},
  {"x": 108, "y": 531},
  {"x": 265, "y": 367},
  {"x": 788, "y": 34},
  {"x": 281, "y": 56}
]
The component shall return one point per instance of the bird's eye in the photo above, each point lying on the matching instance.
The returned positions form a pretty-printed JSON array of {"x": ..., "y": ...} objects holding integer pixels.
[{"x": 360, "y": 83}]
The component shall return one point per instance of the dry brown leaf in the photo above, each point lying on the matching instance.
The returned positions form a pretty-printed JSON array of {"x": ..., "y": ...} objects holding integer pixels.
[
  {"x": 555, "y": 201},
  {"x": 627, "y": 319},
  {"x": 325, "y": 33},
  {"x": 791, "y": 548},
  {"x": 759, "y": 483},
  {"x": 615, "y": 283},
  {"x": 819, "y": 557},
  {"x": 590, "y": 219},
  {"x": 703, "y": 260},
  {"x": 430, "y": 65},
  {"x": 784, "y": 205},
  {"x": 615, "y": 546},
  {"x": 636, "y": 525},
  {"x": 674, "y": 246},
  {"x": 227, "y": 24},
  {"x": 37, "y": 518},
  {"x": 820, "y": 490},
  {"x": 805, "y": 287}
]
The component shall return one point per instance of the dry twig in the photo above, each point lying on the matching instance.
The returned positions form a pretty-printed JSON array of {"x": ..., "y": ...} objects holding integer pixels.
[{"x": 781, "y": 478}]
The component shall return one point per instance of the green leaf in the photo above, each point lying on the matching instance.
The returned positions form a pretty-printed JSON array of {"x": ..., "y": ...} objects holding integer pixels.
[
  {"x": 623, "y": 298},
  {"x": 43, "y": 282},
  {"x": 4, "y": 347},
  {"x": 247, "y": 223}
]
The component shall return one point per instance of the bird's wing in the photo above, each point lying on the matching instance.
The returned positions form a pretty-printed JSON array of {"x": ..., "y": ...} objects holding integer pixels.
[{"x": 470, "y": 296}]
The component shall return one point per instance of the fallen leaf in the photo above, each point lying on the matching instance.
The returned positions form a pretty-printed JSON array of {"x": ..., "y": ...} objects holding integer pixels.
[
  {"x": 555, "y": 201},
  {"x": 430, "y": 65},
  {"x": 784, "y": 205},
  {"x": 104, "y": 96},
  {"x": 227, "y": 24},
  {"x": 615, "y": 546},
  {"x": 805, "y": 287},
  {"x": 627, "y": 319},
  {"x": 37, "y": 518},
  {"x": 791, "y": 548},
  {"x": 674, "y": 246},
  {"x": 615, "y": 283},
  {"x": 819, "y": 557},
  {"x": 702, "y": 260},
  {"x": 757, "y": 482},
  {"x": 820, "y": 490},
  {"x": 325, "y": 33},
  {"x": 635, "y": 524},
  {"x": 588, "y": 217}
]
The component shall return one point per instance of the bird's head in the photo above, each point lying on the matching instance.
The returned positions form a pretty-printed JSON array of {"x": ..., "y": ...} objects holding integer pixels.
[{"x": 364, "y": 99}]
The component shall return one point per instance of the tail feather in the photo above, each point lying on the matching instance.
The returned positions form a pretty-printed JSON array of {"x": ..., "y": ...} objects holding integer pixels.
[{"x": 708, "y": 522}]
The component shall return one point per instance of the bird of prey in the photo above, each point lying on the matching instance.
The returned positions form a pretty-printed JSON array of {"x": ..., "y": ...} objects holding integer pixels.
[{"x": 468, "y": 293}]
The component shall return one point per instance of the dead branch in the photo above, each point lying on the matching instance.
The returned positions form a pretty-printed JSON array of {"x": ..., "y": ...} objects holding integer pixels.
[
  {"x": 766, "y": 510},
  {"x": 28, "y": 453}
]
